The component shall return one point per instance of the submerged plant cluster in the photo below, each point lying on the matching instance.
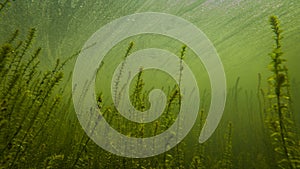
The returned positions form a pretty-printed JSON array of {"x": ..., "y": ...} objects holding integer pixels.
[
  {"x": 39, "y": 128},
  {"x": 27, "y": 100}
]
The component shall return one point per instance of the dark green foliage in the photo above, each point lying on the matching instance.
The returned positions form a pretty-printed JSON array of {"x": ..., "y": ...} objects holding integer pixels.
[
  {"x": 199, "y": 161},
  {"x": 137, "y": 96},
  {"x": 226, "y": 162},
  {"x": 26, "y": 100},
  {"x": 4, "y": 4},
  {"x": 30, "y": 102},
  {"x": 39, "y": 129},
  {"x": 279, "y": 114},
  {"x": 116, "y": 85}
]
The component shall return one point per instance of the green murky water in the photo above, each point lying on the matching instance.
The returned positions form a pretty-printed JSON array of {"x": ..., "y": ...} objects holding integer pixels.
[{"x": 39, "y": 126}]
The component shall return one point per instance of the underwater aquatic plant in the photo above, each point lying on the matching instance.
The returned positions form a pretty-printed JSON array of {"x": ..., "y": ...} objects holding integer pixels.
[
  {"x": 279, "y": 117},
  {"x": 137, "y": 96},
  {"x": 119, "y": 75},
  {"x": 27, "y": 101},
  {"x": 179, "y": 152},
  {"x": 198, "y": 161},
  {"x": 27, "y": 97},
  {"x": 226, "y": 162},
  {"x": 4, "y": 4}
]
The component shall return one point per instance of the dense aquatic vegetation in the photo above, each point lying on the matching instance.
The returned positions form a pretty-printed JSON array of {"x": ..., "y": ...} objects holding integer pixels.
[
  {"x": 27, "y": 99},
  {"x": 39, "y": 128}
]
